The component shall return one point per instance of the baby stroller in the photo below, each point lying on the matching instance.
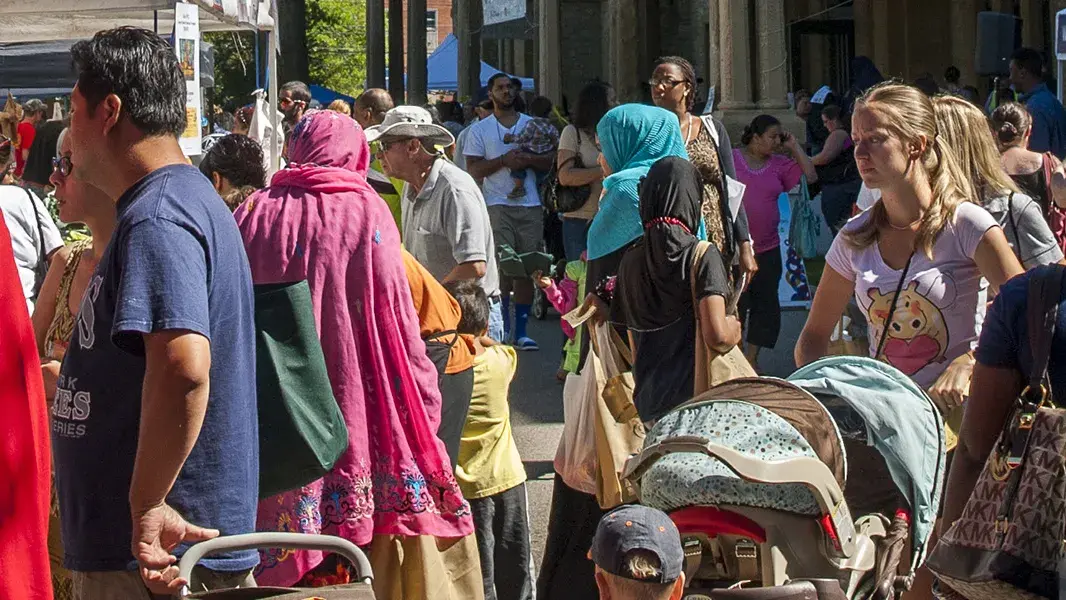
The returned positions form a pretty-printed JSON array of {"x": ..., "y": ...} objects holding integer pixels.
[
  {"x": 761, "y": 477},
  {"x": 352, "y": 591}
]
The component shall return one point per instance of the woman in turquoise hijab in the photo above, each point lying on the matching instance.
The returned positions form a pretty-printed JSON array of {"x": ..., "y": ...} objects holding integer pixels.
[{"x": 632, "y": 138}]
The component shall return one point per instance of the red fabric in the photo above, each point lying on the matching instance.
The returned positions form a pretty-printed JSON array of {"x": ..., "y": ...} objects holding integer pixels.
[
  {"x": 26, "y": 134},
  {"x": 24, "y": 453},
  {"x": 1056, "y": 216}
]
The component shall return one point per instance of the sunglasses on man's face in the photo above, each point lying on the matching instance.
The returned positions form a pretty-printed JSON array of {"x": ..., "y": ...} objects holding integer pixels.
[{"x": 62, "y": 165}]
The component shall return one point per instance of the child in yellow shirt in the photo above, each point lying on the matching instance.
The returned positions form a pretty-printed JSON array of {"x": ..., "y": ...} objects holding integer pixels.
[{"x": 490, "y": 471}]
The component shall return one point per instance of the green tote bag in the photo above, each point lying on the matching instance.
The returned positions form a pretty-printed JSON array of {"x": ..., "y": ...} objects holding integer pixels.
[{"x": 301, "y": 430}]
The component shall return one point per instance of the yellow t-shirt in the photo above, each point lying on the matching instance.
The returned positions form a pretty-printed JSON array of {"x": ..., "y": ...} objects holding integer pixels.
[{"x": 488, "y": 457}]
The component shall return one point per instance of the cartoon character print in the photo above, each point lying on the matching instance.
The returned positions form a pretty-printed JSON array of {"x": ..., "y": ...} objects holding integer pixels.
[{"x": 917, "y": 333}]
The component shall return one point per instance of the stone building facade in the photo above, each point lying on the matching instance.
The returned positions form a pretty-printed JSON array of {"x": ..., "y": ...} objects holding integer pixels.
[{"x": 754, "y": 52}]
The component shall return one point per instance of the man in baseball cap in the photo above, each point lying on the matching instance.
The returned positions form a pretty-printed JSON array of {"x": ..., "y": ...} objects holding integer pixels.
[{"x": 638, "y": 555}]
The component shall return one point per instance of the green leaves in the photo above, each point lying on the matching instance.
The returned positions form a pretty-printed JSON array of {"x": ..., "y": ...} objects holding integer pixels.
[{"x": 336, "y": 44}]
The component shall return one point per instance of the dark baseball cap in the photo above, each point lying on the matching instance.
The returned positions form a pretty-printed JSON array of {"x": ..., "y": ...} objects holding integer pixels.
[{"x": 636, "y": 527}]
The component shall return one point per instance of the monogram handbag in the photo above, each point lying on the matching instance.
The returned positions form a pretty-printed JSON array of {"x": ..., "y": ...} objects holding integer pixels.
[
  {"x": 1009, "y": 541},
  {"x": 559, "y": 198}
]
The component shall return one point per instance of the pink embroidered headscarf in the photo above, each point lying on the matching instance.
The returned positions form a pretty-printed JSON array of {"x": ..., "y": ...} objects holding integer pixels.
[{"x": 320, "y": 220}]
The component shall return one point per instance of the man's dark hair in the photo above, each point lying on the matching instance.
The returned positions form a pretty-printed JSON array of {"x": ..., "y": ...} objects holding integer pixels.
[
  {"x": 141, "y": 69},
  {"x": 377, "y": 101},
  {"x": 594, "y": 100},
  {"x": 541, "y": 106},
  {"x": 474, "y": 304},
  {"x": 1030, "y": 61},
  {"x": 492, "y": 80},
  {"x": 298, "y": 90},
  {"x": 952, "y": 74}
]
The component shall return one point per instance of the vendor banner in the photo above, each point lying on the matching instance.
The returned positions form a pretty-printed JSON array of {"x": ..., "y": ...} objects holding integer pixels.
[{"x": 187, "y": 47}]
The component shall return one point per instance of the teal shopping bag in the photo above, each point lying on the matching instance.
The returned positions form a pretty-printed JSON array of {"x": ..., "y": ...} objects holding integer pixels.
[{"x": 806, "y": 226}]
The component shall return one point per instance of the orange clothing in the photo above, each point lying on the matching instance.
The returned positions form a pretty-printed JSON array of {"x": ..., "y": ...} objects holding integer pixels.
[{"x": 437, "y": 312}]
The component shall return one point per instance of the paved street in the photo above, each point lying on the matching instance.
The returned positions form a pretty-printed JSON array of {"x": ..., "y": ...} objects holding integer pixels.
[{"x": 537, "y": 408}]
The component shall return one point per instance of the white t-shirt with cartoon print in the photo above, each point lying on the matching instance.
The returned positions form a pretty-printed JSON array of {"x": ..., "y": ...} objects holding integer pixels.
[{"x": 942, "y": 304}]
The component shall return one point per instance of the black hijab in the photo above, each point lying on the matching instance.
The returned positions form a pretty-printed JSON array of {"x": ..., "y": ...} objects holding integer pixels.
[{"x": 655, "y": 274}]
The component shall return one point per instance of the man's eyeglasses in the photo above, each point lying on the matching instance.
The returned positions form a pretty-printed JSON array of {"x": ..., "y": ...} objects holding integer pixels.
[{"x": 62, "y": 165}]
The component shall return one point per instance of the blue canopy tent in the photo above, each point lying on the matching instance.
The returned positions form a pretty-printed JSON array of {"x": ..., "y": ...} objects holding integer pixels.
[
  {"x": 442, "y": 68},
  {"x": 325, "y": 95}
]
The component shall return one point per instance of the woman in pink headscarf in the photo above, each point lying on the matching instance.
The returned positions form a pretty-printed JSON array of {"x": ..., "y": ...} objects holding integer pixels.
[{"x": 393, "y": 489}]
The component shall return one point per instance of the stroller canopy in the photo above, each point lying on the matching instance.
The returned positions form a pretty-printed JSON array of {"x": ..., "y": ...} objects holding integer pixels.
[{"x": 902, "y": 424}]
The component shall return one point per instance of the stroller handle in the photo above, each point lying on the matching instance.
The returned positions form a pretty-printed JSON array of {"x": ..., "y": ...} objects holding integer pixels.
[
  {"x": 804, "y": 470},
  {"x": 255, "y": 541}
]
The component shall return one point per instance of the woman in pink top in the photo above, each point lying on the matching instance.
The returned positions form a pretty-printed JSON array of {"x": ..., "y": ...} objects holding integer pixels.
[
  {"x": 393, "y": 488},
  {"x": 767, "y": 174}
]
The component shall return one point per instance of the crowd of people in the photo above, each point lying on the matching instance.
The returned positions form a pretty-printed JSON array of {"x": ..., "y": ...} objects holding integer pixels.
[{"x": 137, "y": 435}]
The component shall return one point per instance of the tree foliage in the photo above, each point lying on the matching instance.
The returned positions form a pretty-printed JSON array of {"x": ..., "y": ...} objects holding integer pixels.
[
  {"x": 234, "y": 67},
  {"x": 336, "y": 51},
  {"x": 336, "y": 44}
]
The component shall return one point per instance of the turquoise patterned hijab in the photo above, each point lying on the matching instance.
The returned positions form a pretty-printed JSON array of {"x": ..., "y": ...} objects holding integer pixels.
[{"x": 632, "y": 137}]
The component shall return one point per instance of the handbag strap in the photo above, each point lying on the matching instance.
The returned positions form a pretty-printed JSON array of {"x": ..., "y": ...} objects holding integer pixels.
[
  {"x": 892, "y": 307},
  {"x": 1045, "y": 293},
  {"x": 697, "y": 258},
  {"x": 37, "y": 219}
]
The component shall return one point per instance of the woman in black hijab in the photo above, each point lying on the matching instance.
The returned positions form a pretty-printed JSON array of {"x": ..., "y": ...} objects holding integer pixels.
[
  {"x": 864, "y": 75},
  {"x": 653, "y": 297}
]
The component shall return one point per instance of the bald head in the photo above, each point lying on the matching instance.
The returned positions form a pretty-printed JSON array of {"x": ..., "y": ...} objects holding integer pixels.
[{"x": 371, "y": 106}]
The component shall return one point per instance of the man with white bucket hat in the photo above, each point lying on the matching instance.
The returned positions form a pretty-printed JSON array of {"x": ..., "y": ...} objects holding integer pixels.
[{"x": 445, "y": 222}]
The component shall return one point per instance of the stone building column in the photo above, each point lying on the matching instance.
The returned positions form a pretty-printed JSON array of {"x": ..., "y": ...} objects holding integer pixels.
[
  {"x": 863, "y": 15},
  {"x": 712, "y": 70},
  {"x": 375, "y": 43},
  {"x": 772, "y": 67},
  {"x": 964, "y": 38},
  {"x": 734, "y": 44},
  {"x": 1033, "y": 24},
  {"x": 549, "y": 63},
  {"x": 881, "y": 13},
  {"x": 623, "y": 57}
]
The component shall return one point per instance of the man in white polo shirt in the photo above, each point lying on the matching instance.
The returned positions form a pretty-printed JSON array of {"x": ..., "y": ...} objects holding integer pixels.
[
  {"x": 516, "y": 222},
  {"x": 445, "y": 223}
]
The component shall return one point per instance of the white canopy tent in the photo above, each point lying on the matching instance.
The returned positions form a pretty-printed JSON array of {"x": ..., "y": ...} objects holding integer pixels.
[{"x": 52, "y": 20}]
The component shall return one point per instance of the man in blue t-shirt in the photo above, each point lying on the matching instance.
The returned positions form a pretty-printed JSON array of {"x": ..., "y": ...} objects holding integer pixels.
[
  {"x": 1049, "y": 118},
  {"x": 154, "y": 423}
]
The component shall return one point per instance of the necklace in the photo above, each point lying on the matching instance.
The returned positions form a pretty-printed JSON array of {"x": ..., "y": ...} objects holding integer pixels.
[
  {"x": 688, "y": 129},
  {"x": 906, "y": 227}
]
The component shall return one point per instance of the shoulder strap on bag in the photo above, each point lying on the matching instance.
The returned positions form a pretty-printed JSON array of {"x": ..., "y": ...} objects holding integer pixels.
[
  {"x": 1048, "y": 166},
  {"x": 892, "y": 307},
  {"x": 37, "y": 219},
  {"x": 697, "y": 258},
  {"x": 1045, "y": 293}
]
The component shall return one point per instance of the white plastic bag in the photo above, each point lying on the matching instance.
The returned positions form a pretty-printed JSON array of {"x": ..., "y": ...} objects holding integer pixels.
[{"x": 575, "y": 459}]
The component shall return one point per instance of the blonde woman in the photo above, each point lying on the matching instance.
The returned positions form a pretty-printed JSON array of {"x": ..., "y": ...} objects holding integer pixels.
[
  {"x": 917, "y": 261},
  {"x": 923, "y": 231},
  {"x": 964, "y": 128}
]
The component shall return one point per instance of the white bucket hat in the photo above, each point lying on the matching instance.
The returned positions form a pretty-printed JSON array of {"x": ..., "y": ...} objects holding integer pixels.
[{"x": 410, "y": 122}]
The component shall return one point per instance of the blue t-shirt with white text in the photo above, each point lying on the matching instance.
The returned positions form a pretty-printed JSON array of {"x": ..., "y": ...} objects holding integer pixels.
[{"x": 176, "y": 261}]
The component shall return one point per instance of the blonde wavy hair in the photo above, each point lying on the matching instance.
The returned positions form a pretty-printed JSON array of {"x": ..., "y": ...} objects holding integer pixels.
[
  {"x": 909, "y": 116},
  {"x": 966, "y": 130}
]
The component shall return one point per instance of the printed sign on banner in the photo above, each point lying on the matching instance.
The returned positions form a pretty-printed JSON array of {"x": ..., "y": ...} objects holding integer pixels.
[
  {"x": 1060, "y": 35},
  {"x": 793, "y": 290},
  {"x": 500, "y": 11},
  {"x": 187, "y": 47}
]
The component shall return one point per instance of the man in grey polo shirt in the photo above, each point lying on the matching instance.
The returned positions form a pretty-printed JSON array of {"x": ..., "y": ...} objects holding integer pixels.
[{"x": 445, "y": 222}]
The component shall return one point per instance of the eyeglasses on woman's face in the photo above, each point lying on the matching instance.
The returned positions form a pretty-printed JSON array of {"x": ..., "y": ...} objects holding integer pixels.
[
  {"x": 62, "y": 165},
  {"x": 666, "y": 82}
]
